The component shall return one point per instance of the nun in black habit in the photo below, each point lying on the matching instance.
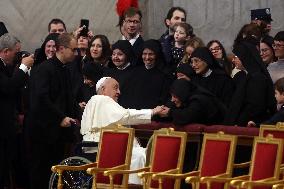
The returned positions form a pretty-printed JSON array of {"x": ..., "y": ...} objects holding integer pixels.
[
  {"x": 193, "y": 104},
  {"x": 40, "y": 54},
  {"x": 151, "y": 83},
  {"x": 254, "y": 98},
  {"x": 122, "y": 57},
  {"x": 210, "y": 76}
]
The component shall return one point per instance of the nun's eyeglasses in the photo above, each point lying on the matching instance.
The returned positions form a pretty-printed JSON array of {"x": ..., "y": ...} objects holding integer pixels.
[{"x": 196, "y": 61}]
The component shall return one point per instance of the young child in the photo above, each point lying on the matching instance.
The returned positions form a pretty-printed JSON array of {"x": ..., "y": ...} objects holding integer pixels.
[
  {"x": 279, "y": 95},
  {"x": 183, "y": 32}
]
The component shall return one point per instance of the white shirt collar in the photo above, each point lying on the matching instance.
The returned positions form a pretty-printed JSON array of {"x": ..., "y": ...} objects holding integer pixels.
[
  {"x": 131, "y": 41},
  {"x": 207, "y": 73},
  {"x": 124, "y": 66},
  {"x": 3, "y": 61}
]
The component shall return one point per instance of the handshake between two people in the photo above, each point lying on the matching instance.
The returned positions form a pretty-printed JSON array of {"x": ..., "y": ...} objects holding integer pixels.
[{"x": 162, "y": 111}]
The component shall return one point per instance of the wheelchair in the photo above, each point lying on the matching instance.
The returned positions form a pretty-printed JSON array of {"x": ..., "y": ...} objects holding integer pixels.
[
  {"x": 76, "y": 179},
  {"x": 80, "y": 179}
]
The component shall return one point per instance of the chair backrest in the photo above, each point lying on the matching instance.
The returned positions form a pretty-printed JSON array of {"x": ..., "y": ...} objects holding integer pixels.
[
  {"x": 276, "y": 130},
  {"x": 217, "y": 156},
  {"x": 115, "y": 148},
  {"x": 167, "y": 153},
  {"x": 266, "y": 158}
]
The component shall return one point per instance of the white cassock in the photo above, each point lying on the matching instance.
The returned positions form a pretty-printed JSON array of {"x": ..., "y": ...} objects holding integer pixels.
[{"x": 102, "y": 111}]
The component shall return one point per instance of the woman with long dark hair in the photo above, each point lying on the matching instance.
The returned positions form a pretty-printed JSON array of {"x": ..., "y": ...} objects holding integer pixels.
[{"x": 219, "y": 53}]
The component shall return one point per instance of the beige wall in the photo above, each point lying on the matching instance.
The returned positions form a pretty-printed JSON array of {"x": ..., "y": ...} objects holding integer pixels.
[
  {"x": 215, "y": 19},
  {"x": 211, "y": 19}
]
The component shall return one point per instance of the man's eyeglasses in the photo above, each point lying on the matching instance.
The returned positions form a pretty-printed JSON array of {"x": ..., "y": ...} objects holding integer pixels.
[
  {"x": 72, "y": 49},
  {"x": 132, "y": 21}
]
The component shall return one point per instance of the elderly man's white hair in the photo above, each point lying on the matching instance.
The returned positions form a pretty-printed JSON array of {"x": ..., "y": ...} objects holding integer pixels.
[{"x": 101, "y": 83}]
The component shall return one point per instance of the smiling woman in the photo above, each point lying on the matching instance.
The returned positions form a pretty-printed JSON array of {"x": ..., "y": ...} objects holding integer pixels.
[
  {"x": 210, "y": 75},
  {"x": 47, "y": 50},
  {"x": 219, "y": 53},
  {"x": 266, "y": 50}
]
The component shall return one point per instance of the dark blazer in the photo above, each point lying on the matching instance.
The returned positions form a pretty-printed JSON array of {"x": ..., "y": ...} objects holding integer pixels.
[
  {"x": 167, "y": 41},
  {"x": 137, "y": 48},
  {"x": 51, "y": 101},
  {"x": 10, "y": 86},
  {"x": 277, "y": 117}
]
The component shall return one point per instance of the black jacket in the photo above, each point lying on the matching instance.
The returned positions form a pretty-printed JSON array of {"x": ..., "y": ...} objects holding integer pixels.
[
  {"x": 51, "y": 101},
  {"x": 219, "y": 83},
  {"x": 148, "y": 88},
  {"x": 277, "y": 117},
  {"x": 197, "y": 105},
  {"x": 10, "y": 86}
]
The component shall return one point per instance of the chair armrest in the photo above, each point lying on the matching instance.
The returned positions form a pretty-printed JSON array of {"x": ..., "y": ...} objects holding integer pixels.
[
  {"x": 115, "y": 172},
  {"x": 145, "y": 174},
  {"x": 173, "y": 173},
  {"x": 264, "y": 182},
  {"x": 192, "y": 179},
  {"x": 276, "y": 186},
  {"x": 242, "y": 165},
  {"x": 222, "y": 178},
  {"x": 237, "y": 182},
  {"x": 94, "y": 170},
  {"x": 61, "y": 168}
]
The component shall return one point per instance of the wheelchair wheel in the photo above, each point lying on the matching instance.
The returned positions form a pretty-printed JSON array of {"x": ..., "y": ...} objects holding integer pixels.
[{"x": 73, "y": 179}]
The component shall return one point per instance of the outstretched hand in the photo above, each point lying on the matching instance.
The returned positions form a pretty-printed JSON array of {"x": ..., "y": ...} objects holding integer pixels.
[{"x": 162, "y": 111}]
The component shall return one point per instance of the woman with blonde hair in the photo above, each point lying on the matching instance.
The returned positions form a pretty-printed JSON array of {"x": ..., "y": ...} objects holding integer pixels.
[{"x": 190, "y": 45}]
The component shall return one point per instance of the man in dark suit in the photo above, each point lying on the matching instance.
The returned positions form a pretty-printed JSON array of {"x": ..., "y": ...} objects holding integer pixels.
[
  {"x": 10, "y": 85},
  {"x": 175, "y": 15},
  {"x": 53, "y": 111}
]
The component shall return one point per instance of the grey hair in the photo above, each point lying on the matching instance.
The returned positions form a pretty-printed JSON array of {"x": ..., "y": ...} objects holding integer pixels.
[{"x": 8, "y": 41}]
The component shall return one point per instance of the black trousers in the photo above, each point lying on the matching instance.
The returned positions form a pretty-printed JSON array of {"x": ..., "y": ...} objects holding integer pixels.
[
  {"x": 44, "y": 156},
  {"x": 8, "y": 149}
]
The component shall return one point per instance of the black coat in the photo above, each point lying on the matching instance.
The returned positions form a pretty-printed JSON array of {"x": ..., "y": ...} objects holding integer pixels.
[
  {"x": 124, "y": 78},
  {"x": 249, "y": 102},
  {"x": 75, "y": 69},
  {"x": 137, "y": 49},
  {"x": 219, "y": 83},
  {"x": 200, "y": 109},
  {"x": 10, "y": 87},
  {"x": 149, "y": 88},
  {"x": 254, "y": 97},
  {"x": 51, "y": 101},
  {"x": 197, "y": 105}
]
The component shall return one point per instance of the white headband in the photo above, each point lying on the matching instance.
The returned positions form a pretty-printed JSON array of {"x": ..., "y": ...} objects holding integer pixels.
[{"x": 100, "y": 83}]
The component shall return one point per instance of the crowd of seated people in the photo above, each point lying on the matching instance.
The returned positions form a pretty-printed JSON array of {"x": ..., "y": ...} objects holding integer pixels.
[{"x": 190, "y": 82}]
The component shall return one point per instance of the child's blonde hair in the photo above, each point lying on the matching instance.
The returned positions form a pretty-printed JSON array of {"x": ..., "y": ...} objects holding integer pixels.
[{"x": 194, "y": 42}]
